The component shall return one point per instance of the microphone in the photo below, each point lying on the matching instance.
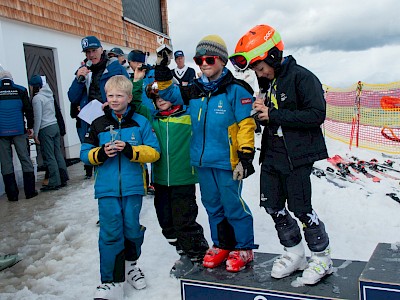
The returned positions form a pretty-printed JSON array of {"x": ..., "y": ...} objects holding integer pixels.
[{"x": 88, "y": 64}]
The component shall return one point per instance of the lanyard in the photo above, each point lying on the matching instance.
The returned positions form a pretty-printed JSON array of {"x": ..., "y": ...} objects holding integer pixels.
[{"x": 272, "y": 101}]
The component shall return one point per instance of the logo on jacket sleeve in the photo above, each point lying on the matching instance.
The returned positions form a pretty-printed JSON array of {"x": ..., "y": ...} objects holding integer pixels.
[{"x": 246, "y": 101}]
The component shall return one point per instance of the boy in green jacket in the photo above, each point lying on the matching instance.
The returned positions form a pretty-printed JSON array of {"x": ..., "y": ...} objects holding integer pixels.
[{"x": 174, "y": 178}]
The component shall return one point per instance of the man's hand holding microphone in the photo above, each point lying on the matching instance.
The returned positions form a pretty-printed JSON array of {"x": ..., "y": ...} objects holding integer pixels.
[{"x": 83, "y": 71}]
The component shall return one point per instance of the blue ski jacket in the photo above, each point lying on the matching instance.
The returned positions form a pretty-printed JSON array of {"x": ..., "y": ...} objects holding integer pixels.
[
  {"x": 14, "y": 105},
  {"x": 118, "y": 176},
  {"x": 221, "y": 122}
]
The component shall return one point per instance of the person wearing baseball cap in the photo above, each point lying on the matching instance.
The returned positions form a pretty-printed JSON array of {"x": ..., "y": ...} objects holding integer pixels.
[
  {"x": 118, "y": 53},
  {"x": 182, "y": 73},
  {"x": 89, "y": 82}
]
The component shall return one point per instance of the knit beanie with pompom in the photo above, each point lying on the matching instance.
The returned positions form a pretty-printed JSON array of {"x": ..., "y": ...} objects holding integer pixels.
[{"x": 212, "y": 45}]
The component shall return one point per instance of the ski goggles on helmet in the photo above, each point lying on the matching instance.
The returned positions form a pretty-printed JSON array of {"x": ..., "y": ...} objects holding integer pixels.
[
  {"x": 210, "y": 60},
  {"x": 242, "y": 60}
]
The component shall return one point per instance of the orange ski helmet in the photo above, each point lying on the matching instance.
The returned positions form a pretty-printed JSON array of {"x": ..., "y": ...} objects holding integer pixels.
[{"x": 255, "y": 45}]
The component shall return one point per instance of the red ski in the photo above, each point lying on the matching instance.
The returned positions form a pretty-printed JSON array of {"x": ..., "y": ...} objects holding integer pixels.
[
  {"x": 359, "y": 168},
  {"x": 373, "y": 166},
  {"x": 342, "y": 167}
]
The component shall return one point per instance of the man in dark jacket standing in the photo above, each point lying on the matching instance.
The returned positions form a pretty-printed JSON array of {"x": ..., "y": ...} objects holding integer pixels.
[
  {"x": 89, "y": 83},
  {"x": 292, "y": 112},
  {"x": 14, "y": 106}
]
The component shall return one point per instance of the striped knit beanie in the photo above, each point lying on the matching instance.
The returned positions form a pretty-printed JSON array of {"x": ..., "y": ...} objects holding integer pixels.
[{"x": 212, "y": 45}]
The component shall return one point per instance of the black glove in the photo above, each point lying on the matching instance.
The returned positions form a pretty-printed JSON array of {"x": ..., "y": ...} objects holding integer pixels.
[
  {"x": 101, "y": 155},
  {"x": 161, "y": 71},
  {"x": 245, "y": 166},
  {"x": 128, "y": 151}
]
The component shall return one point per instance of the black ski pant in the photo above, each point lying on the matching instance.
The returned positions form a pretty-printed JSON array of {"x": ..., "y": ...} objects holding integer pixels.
[
  {"x": 280, "y": 185},
  {"x": 177, "y": 210}
]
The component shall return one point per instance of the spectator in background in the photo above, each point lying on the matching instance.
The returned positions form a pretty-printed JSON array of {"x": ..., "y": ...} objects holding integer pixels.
[
  {"x": 137, "y": 58},
  {"x": 14, "y": 106},
  {"x": 47, "y": 133},
  {"x": 89, "y": 83},
  {"x": 61, "y": 125},
  {"x": 120, "y": 55},
  {"x": 183, "y": 74}
]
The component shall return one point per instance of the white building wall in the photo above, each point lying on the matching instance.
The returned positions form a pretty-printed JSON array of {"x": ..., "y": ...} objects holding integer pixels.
[{"x": 67, "y": 58}]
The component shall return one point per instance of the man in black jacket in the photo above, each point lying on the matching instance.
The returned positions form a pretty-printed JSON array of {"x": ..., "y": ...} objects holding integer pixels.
[
  {"x": 14, "y": 107},
  {"x": 292, "y": 112}
]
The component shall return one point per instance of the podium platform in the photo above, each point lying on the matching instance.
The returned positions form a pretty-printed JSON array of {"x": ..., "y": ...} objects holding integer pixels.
[
  {"x": 255, "y": 283},
  {"x": 380, "y": 279}
]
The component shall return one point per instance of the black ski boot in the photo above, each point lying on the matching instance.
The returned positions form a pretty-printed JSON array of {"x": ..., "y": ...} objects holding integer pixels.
[
  {"x": 11, "y": 187},
  {"x": 29, "y": 185},
  {"x": 185, "y": 266}
]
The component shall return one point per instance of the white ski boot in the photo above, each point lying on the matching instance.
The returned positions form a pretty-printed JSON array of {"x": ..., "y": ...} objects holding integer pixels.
[
  {"x": 134, "y": 275},
  {"x": 292, "y": 260},
  {"x": 319, "y": 265},
  {"x": 109, "y": 291}
]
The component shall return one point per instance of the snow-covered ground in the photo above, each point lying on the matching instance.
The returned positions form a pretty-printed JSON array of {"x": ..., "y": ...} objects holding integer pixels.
[{"x": 55, "y": 234}]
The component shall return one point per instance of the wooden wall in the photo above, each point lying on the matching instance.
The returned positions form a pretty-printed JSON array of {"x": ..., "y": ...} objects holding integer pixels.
[{"x": 102, "y": 18}]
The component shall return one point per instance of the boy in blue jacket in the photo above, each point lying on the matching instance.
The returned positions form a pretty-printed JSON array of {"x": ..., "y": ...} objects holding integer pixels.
[
  {"x": 221, "y": 149},
  {"x": 119, "y": 144}
]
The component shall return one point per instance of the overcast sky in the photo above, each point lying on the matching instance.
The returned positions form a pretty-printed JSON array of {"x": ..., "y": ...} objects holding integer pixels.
[{"x": 341, "y": 41}]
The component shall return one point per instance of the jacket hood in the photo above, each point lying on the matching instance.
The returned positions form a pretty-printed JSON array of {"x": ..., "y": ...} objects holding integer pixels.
[{"x": 46, "y": 91}]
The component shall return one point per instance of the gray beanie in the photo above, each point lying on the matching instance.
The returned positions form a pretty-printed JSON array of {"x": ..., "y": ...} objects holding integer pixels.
[
  {"x": 5, "y": 74},
  {"x": 212, "y": 45}
]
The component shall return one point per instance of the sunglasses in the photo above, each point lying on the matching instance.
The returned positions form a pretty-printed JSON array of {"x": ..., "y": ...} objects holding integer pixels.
[
  {"x": 241, "y": 60},
  {"x": 210, "y": 60}
]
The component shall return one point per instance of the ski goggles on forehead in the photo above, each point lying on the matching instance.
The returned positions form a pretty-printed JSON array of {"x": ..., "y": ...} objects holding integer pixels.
[
  {"x": 241, "y": 60},
  {"x": 210, "y": 60}
]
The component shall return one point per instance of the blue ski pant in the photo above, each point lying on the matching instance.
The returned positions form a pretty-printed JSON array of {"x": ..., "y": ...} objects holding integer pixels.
[
  {"x": 231, "y": 221},
  {"x": 121, "y": 235}
]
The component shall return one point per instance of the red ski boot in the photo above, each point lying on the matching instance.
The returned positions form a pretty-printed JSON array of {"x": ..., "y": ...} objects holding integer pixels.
[
  {"x": 238, "y": 260},
  {"x": 214, "y": 257}
]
